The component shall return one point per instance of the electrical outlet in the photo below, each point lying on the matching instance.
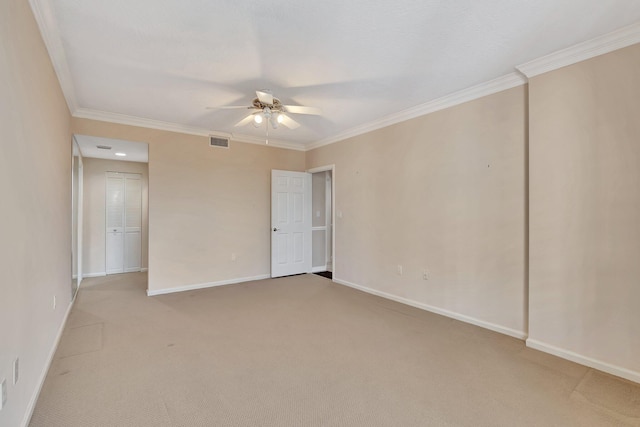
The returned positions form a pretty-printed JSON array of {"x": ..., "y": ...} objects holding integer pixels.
[
  {"x": 3, "y": 394},
  {"x": 399, "y": 270},
  {"x": 16, "y": 370},
  {"x": 425, "y": 275}
]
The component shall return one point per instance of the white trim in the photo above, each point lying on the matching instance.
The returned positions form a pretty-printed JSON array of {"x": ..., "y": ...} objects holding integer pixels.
[
  {"x": 328, "y": 217},
  {"x": 468, "y": 319},
  {"x": 332, "y": 168},
  {"x": 100, "y": 274},
  {"x": 584, "y": 360},
  {"x": 319, "y": 269},
  {"x": 508, "y": 81},
  {"x": 206, "y": 285},
  {"x": 80, "y": 217},
  {"x": 615, "y": 40},
  {"x": 319, "y": 228},
  {"x": 322, "y": 169},
  {"x": 103, "y": 274},
  {"x": 45, "y": 17},
  {"x": 43, "y": 375},
  {"x": 124, "y": 119}
]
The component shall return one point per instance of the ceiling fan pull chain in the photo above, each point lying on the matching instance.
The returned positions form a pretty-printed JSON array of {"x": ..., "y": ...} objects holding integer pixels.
[{"x": 267, "y": 125}]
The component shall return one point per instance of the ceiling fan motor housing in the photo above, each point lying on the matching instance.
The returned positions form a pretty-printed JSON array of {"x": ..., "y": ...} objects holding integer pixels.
[{"x": 276, "y": 106}]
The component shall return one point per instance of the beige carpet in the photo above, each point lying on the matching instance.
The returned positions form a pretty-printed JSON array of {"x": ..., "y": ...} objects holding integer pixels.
[{"x": 303, "y": 351}]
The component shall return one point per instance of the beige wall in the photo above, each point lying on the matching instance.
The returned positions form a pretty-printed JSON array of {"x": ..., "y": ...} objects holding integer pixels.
[
  {"x": 94, "y": 211},
  {"x": 585, "y": 208},
  {"x": 205, "y": 204},
  {"x": 35, "y": 183},
  {"x": 445, "y": 192}
]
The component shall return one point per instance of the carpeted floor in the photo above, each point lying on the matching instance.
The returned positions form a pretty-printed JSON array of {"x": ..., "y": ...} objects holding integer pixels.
[{"x": 304, "y": 351}]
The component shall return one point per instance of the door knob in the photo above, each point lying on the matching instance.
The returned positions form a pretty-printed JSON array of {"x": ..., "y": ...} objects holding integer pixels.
[{"x": 275, "y": 229}]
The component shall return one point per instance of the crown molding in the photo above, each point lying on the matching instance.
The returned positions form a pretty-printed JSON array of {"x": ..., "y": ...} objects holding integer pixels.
[
  {"x": 625, "y": 36},
  {"x": 508, "y": 81},
  {"x": 124, "y": 119},
  {"x": 46, "y": 20}
]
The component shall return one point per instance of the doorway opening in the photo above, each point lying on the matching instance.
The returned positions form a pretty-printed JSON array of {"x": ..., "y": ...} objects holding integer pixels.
[
  {"x": 115, "y": 209},
  {"x": 323, "y": 235}
]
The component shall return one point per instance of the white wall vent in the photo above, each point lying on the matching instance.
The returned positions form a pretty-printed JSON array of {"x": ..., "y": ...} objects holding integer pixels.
[{"x": 215, "y": 141}]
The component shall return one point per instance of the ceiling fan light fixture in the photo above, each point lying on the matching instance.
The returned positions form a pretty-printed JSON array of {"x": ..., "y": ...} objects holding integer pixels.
[
  {"x": 257, "y": 119},
  {"x": 280, "y": 118},
  {"x": 275, "y": 120}
]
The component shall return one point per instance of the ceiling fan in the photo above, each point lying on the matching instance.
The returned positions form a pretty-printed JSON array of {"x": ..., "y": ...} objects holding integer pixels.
[{"x": 270, "y": 110}]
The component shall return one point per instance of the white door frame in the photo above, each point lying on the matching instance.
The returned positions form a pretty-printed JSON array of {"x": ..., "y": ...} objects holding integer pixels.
[
  {"x": 80, "y": 218},
  {"x": 78, "y": 208},
  {"x": 331, "y": 168}
]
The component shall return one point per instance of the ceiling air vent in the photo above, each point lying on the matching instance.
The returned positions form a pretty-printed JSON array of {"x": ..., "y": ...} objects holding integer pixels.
[
  {"x": 214, "y": 141},
  {"x": 103, "y": 147}
]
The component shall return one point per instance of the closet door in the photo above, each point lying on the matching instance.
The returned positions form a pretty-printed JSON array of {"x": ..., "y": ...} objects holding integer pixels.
[
  {"x": 115, "y": 223},
  {"x": 123, "y": 222}
]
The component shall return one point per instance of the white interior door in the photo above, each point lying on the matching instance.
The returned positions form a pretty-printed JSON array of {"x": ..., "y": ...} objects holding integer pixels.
[
  {"x": 123, "y": 222},
  {"x": 290, "y": 223}
]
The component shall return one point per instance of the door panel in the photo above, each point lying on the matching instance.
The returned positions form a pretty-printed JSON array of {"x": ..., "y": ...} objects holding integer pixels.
[
  {"x": 291, "y": 223},
  {"x": 298, "y": 247},
  {"x": 123, "y": 222},
  {"x": 132, "y": 251},
  {"x": 115, "y": 252},
  {"x": 115, "y": 202},
  {"x": 115, "y": 224}
]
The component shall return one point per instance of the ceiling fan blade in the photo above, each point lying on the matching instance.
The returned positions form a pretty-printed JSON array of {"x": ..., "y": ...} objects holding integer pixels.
[
  {"x": 245, "y": 121},
  {"x": 229, "y": 107},
  {"x": 299, "y": 109},
  {"x": 265, "y": 97},
  {"x": 289, "y": 122}
]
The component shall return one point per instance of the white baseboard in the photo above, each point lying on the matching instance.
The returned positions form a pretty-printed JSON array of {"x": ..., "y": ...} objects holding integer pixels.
[
  {"x": 319, "y": 269},
  {"x": 206, "y": 285},
  {"x": 487, "y": 325},
  {"x": 43, "y": 375},
  {"x": 584, "y": 360},
  {"x": 101, "y": 274}
]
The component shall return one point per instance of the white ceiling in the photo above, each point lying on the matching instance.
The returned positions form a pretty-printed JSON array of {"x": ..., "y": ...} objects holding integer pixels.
[
  {"x": 357, "y": 60},
  {"x": 135, "y": 151}
]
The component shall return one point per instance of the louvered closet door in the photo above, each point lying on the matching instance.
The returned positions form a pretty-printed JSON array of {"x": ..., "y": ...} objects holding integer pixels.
[
  {"x": 115, "y": 223},
  {"x": 123, "y": 222}
]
